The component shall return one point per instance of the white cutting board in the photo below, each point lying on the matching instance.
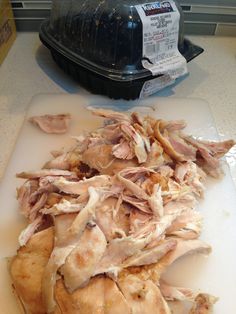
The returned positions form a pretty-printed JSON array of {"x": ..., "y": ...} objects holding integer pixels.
[{"x": 215, "y": 274}]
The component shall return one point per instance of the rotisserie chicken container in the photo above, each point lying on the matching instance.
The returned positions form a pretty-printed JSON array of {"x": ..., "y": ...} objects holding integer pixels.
[{"x": 123, "y": 49}]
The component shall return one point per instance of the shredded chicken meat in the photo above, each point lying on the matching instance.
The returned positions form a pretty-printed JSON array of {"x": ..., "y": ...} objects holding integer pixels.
[
  {"x": 107, "y": 218},
  {"x": 57, "y": 123}
]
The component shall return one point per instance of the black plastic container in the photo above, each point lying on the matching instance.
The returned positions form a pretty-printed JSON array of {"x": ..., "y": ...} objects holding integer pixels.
[{"x": 100, "y": 44}]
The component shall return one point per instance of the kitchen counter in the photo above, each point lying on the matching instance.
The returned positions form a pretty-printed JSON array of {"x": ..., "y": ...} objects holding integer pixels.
[{"x": 29, "y": 70}]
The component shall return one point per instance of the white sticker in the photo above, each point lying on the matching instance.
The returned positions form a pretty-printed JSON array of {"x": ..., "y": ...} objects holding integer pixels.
[
  {"x": 160, "y": 38},
  {"x": 152, "y": 86}
]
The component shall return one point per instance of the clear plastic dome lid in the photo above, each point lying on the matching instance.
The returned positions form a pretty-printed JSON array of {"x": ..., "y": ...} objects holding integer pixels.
[{"x": 107, "y": 36}]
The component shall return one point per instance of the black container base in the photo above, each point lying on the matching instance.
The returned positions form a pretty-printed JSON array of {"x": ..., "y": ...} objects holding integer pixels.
[{"x": 98, "y": 84}]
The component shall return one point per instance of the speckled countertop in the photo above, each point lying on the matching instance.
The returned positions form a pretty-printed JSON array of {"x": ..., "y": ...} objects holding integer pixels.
[{"x": 29, "y": 70}]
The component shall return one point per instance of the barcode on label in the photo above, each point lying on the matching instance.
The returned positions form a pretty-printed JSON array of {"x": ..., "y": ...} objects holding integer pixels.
[{"x": 152, "y": 49}]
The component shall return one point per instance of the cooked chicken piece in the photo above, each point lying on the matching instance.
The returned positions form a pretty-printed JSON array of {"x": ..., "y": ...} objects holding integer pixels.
[
  {"x": 187, "y": 225},
  {"x": 140, "y": 144},
  {"x": 189, "y": 173},
  {"x": 81, "y": 187},
  {"x": 183, "y": 248},
  {"x": 65, "y": 161},
  {"x": 150, "y": 256},
  {"x": 156, "y": 178},
  {"x": 113, "y": 222},
  {"x": 101, "y": 295},
  {"x": 111, "y": 132},
  {"x": 117, "y": 251},
  {"x": 60, "y": 162},
  {"x": 100, "y": 158},
  {"x": 129, "y": 176},
  {"x": 181, "y": 147},
  {"x": 167, "y": 132},
  {"x": 67, "y": 237},
  {"x": 121, "y": 216},
  {"x": 141, "y": 204},
  {"x": 203, "y": 304},
  {"x": 155, "y": 158},
  {"x": 185, "y": 202},
  {"x": 23, "y": 195},
  {"x": 44, "y": 173},
  {"x": 175, "y": 191},
  {"x": 56, "y": 124},
  {"x": 110, "y": 114},
  {"x": 218, "y": 149},
  {"x": 63, "y": 206},
  {"x": 46, "y": 185},
  {"x": 143, "y": 297},
  {"x": 155, "y": 229},
  {"x": 87, "y": 214},
  {"x": 123, "y": 150},
  {"x": 30, "y": 199},
  {"x": 209, "y": 154},
  {"x": 28, "y": 232},
  {"x": 37, "y": 206},
  {"x": 27, "y": 268},
  {"x": 141, "y": 130},
  {"x": 154, "y": 271},
  {"x": 166, "y": 171},
  {"x": 115, "y": 302},
  {"x": 127, "y": 142},
  {"x": 149, "y": 124},
  {"x": 81, "y": 263},
  {"x": 156, "y": 202},
  {"x": 163, "y": 139},
  {"x": 172, "y": 293},
  {"x": 174, "y": 125},
  {"x": 137, "y": 220},
  {"x": 56, "y": 260},
  {"x": 53, "y": 199}
]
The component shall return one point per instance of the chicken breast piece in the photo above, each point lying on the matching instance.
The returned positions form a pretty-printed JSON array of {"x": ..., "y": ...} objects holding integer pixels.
[
  {"x": 67, "y": 237},
  {"x": 27, "y": 269},
  {"x": 82, "y": 261},
  {"x": 154, "y": 271},
  {"x": 49, "y": 123},
  {"x": 150, "y": 256},
  {"x": 184, "y": 248},
  {"x": 100, "y": 158},
  {"x": 117, "y": 251},
  {"x": 112, "y": 221},
  {"x": 101, "y": 295},
  {"x": 143, "y": 297}
]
